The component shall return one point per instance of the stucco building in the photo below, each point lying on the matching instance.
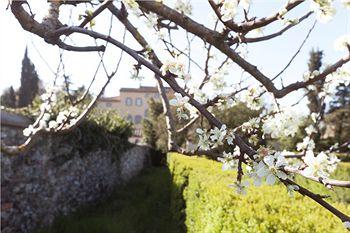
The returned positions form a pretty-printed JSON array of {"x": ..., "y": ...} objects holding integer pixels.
[{"x": 132, "y": 103}]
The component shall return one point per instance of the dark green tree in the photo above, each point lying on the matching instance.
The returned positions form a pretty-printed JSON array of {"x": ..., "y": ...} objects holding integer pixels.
[
  {"x": 8, "y": 98},
  {"x": 341, "y": 98},
  {"x": 29, "y": 82},
  {"x": 314, "y": 64},
  {"x": 339, "y": 114}
]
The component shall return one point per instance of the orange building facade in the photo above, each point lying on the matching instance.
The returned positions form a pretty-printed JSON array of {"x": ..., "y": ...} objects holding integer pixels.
[{"x": 132, "y": 104}]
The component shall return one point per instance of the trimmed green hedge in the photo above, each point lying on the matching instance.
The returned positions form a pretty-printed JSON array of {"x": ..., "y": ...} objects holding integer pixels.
[{"x": 204, "y": 202}]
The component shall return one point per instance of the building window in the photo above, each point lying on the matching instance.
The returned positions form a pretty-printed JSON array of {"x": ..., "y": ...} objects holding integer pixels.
[
  {"x": 108, "y": 105},
  {"x": 129, "y": 118},
  {"x": 146, "y": 113},
  {"x": 138, "y": 119},
  {"x": 128, "y": 101},
  {"x": 138, "y": 101}
]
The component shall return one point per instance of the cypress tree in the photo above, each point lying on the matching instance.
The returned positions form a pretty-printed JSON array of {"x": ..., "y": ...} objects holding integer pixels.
[{"x": 29, "y": 82}]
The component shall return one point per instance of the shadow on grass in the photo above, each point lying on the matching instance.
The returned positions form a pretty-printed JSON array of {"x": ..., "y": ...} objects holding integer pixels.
[{"x": 142, "y": 206}]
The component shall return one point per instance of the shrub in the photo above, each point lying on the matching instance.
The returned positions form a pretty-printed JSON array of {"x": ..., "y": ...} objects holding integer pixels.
[
  {"x": 203, "y": 198},
  {"x": 103, "y": 129}
]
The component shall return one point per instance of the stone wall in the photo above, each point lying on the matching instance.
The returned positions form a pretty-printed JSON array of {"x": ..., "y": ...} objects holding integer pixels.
[{"x": 53, "y": 180}]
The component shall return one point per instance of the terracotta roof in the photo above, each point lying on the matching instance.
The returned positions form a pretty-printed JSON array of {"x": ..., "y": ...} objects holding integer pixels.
[
  {"x": 110, "y": 99},
  {"x": 143, "y": 89}
]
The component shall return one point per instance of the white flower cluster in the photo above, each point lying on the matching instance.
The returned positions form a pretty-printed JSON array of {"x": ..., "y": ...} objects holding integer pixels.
[
  {"x": 307, "y": 144},
  {"x": 342, "y": 43},
  {"x": 310, "y": 130},
  {"x": 308, "y": 76},
  {"x": 161, "y": 33},
  {"x": 214, "y": 138},
  {"x": 250, "y": 125},
  {"x": 225, "y": 102},
  {"x": 319, "y": 166},
  {"x": 323, "y": 9},
  {"x": 64, "y": 117},
  {"x": 131, "y": 4},
  {"x": 229, "y": 8},
  {"x": 204, "y": 139},
  {"x": 199, "y": 95},
  {"x": 217, "y": 135},
  {"x": 251, "y": 98},
  {"x": 181, "y": 104},
  {"x": 152, "y": 20},
  {"x": 174, "y": 66},
  {"x": 183, "y": 6},
  {"x": 281, "y": 124},
  {"x": 347, "y": 225},
  {"x": 269, "y": 168},
  {"x": 217, "y": 81},
  {"x": 229, "y": 160},
  {"x": 346, "y": 3},
  {"x": 341, "y": 76},
  {"x": 281, "y": 16}
]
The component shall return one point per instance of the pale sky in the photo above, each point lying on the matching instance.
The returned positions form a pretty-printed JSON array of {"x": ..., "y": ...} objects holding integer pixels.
[{"x": 270, "y": 56}]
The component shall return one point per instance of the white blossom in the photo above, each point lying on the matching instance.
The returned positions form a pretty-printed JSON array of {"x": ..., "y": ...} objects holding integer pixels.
[
  {"x": 179, "y": 101},
  {"x": 342, "y": 43},
  {"x": 182, "y": 103},
  {"x": 310, "y": 130},
  {"x": 307, "y": 144},
  {"x": 217, "y": 135},
  {"x": 270, "y": 167},
  {"x": 316, "y": 165},
  {"x": 174, "y": 66},
  {"x": 28, "y": 131},
  {"x": 204, "y": 142},
  {"x": 281, "y": 124},
  {"x": 161, "y": 33},
  {"x": 218, "y": 82},
  {"x": 314, "y": 117},
  {"x": 73, "y": 111},
  {"x": 251, "y": 99},
  {"x": 230, "y": 137},
  {"x": 183, "y": 6},
  {"x": 199, "y": 95},
  {"x": 131, "y": 4},
  {"x": 193, "y": 111},
  {"x": 228, "y": 9},
  {"x": 245, "y": 4},
  {"x": 250, "y": 125},
  {"x": 323, "y": 9},
  {"x": 42, "y": 124},
  {"x": 346, "y": 3},
  {"x": 229, "y": 160},
  {"x": 347, "y": 224},
  {"x": 62, "y": 117},
  {"x": 282, "y": 12},
  {"x": 333, "y": 162},
  {"x": 152, "y": 20},
  {"x": 53, "y": 124}
]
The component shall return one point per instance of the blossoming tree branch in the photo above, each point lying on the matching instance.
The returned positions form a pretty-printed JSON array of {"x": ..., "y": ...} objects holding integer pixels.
[{"x": 200, "y": 84}]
